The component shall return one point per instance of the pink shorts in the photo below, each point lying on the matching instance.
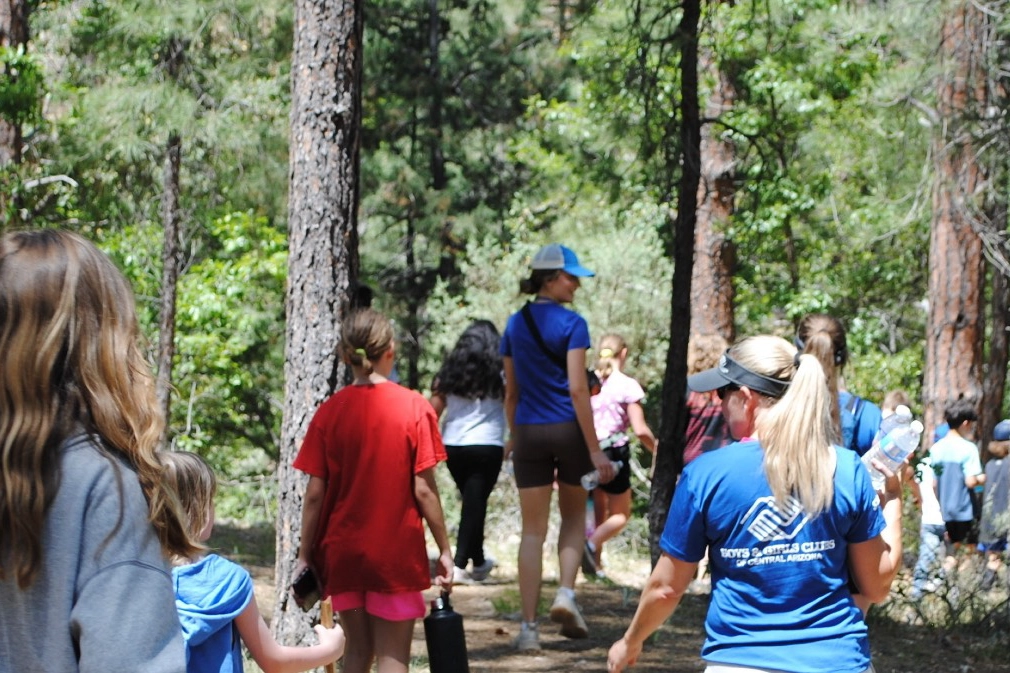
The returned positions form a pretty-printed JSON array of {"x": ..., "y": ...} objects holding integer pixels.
[{"x": 391, "y": 607}]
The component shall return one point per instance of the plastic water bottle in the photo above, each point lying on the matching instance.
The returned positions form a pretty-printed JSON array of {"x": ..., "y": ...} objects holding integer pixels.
[
  {"x": 892, "y": 450},
  {"x": 902, "y": 416},
  {"x": 591, "y": 480},
  {"x": 443, "y": 633}
]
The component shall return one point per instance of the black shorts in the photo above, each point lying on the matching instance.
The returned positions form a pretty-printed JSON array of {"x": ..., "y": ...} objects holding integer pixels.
[
  {"x": 539, "y": 450},
  {"x": 959, "y": 531},
  {"x": 622, "y": 482}
]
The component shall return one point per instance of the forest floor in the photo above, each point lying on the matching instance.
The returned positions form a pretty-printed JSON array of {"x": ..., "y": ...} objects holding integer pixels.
[{"x": 899, "y": 641}]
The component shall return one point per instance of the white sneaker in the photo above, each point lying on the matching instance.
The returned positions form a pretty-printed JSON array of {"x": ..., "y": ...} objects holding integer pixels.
[
  {"x": 528, "y": 638},
  {"x": 461, "y": 576},
  {"x": 566, "y": 612},
  {"x": 480, "y": 573}
]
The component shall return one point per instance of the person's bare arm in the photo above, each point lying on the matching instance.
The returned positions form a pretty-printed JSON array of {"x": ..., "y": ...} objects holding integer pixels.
[
  {"x": 430, "y": 504},
  {"x": 312, "y": 505},
  {"x": 875, "y": 563},
  {"x": 636, "y": 415},
  {"x": 272, "y": 657},
  {"x": 660, "y": 597},
  {"x": 437, "y": 403}
]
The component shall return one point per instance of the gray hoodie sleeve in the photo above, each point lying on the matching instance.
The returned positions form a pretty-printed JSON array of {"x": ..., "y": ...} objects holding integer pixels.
[{"x": 103, "y": 599}]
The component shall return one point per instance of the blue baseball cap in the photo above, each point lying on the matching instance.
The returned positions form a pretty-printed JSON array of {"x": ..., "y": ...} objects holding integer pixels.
[
  {"x": 556, "y": 256},
  {"x": 1001, "y": 432}
]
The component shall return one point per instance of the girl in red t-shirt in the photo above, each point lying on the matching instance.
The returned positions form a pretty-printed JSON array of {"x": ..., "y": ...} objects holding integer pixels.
[{"x": 370, "y": 453}]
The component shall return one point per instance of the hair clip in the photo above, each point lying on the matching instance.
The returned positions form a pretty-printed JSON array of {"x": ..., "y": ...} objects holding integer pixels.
[
  {"x": 606, "y": 353},
  {"x": 796, "y": 359},
  {"x": 362, "y": 352}
]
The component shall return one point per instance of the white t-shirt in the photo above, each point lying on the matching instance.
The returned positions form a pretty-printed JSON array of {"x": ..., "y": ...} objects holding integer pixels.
[
  {"x": 931, "y": 514},
  {"x": 473, "y": 422}
]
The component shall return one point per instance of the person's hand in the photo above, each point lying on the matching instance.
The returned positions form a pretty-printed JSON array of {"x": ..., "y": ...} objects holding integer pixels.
[
  {"x": 892, "y": 483},
  {"x": 606, "y": 468},
  {"x": 443, "y": 579},
  {"x": 622, "y": 655},
  {"x": 333, "y": 639}
]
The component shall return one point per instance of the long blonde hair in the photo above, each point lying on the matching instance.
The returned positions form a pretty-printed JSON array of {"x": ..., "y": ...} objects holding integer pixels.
[
  {"x": 194, "y": 481},
  {"x": 69, "y": 361},
  {"x": 795, "y": 430}
]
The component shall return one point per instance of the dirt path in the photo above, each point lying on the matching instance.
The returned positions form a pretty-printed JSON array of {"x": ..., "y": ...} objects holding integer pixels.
[{"x": 490, "y": 613}]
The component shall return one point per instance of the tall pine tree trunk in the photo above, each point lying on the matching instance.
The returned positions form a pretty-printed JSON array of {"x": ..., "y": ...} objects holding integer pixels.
[
  {"x": 323, "y": 251},
  {"x": 670, "y": 456},
  {"x": 170, "y": 269},
  {"x": 955, "y": 324},
  {"x": 13, "y": 33},
  {"x": 714, "y": 256}
]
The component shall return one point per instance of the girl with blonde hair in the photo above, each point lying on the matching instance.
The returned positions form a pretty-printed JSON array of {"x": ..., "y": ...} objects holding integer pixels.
[
  {"x": 787, "y": 517},
  {"x": 85, "y": 517},
  {"x": 370, "y": 452},
  {"x": 215, "y": 596},
  {"x": 616, "y": 408}
]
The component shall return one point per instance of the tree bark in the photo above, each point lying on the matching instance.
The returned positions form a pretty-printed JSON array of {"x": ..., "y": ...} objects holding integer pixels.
[
  {"x": 170, "y": 269},
  {"x": 955, "y": 322},
  {"x": 999, "y": 352},
  {"x": 670, "y": 455},
  {"x": 714, "y": 256},
  {"x": 323, "y": 251},
  {"x": 13, "y": 33}
]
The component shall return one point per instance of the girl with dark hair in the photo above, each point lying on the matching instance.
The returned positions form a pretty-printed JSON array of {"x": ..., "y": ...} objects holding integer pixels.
[
  {"x": 85, "y": 516},
  {"x": 788, "y": 518},
  {"x": 548, "y": 410},
  {"x": 469, "y": 391},
  {"x": 856, "y": 420}
]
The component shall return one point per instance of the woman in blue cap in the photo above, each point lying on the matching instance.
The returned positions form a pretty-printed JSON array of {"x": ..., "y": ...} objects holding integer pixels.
[
  {"x": 551, "y": 422},
  {"x": 787, "y": 517}
]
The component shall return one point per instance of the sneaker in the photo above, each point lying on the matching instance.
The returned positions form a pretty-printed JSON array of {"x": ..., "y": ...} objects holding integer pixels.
[
  {"x": 461, "y": 576},
  {"x": 566, "y": 612},
  {"x": 988, "y": 579},
  {"x": 528, "y": 638},
  {"x": 589, "y": 567},
  {"x": 480, "y": 572}
]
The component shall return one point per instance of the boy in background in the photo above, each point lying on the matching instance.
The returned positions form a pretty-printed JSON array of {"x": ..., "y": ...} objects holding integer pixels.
[{"x": 995, "y": 504}]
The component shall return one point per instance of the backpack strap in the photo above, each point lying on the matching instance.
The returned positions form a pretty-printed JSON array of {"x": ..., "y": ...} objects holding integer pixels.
[
  {"x": 531, "y": 324},
  {"x": 853, "y": 406}
]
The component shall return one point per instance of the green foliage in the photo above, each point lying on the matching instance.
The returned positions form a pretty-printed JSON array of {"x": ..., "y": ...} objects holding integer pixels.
[{"x": 22, "y": 86}]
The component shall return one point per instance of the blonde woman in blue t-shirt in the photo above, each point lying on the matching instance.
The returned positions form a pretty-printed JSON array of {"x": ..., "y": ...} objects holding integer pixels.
[{"x": 787, "y": 517}]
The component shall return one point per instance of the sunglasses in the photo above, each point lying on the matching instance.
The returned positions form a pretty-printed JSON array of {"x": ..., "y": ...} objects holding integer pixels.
[{"x": 726, "y": 390}]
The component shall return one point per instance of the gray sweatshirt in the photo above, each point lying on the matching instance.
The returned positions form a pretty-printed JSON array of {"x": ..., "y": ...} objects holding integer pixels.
[{"x": 103, "y": 599}]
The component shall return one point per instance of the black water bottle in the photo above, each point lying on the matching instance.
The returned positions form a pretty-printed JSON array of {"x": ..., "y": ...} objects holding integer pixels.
[{"x": 443, "y": 631}]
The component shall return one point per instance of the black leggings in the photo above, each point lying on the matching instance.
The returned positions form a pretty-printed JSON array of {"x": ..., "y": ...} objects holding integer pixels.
[{"x": 475, "y": 471}]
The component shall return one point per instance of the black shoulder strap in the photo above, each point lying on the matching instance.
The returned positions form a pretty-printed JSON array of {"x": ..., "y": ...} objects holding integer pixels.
[{"x": 532, "y": 326}]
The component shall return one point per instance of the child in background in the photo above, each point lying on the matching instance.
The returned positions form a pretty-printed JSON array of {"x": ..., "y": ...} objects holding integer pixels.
[
  {"x": 996, "y": 504},
  {"x": 215, "y": 598},
  {"x": 470, "y": 389},
  {"x": 370, "y": 452},
  {"x": 617, "y": 407}
]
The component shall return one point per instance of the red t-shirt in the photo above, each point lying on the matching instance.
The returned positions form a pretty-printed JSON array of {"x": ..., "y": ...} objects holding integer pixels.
[{"x": 367, "y": 443}]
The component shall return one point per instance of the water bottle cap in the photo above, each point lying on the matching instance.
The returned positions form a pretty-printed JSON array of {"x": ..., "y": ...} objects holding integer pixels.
[
  {"x": 917, "y": 427},
  {"x": 903, "y": 411}
]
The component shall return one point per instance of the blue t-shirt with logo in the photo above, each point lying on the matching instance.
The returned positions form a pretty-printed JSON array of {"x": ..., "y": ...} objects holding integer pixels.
[
  {"x": 780, "y": 596},
  {"x": 543, "y": 383}
]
